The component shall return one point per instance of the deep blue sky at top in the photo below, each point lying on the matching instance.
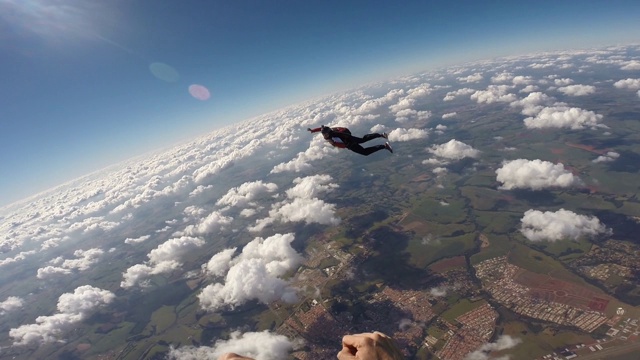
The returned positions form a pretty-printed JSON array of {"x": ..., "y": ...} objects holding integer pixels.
[{"x": 77, "y": 93}]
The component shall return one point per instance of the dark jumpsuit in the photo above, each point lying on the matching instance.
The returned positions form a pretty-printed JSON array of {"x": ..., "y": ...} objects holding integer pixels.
[{"x": 342, "y": 138}]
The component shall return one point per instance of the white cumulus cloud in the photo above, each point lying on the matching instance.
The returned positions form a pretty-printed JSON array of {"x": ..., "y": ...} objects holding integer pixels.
[
  {"x": 559, "y": 225},
  {"x": 563, "y": 82},
  {"x": 454, "y": 150},
  {"x": 504, "y": 342},
  {"x": 219, "y": 263},
  {"x": 608, "y": 157},
  {"x": 502, "y": 77},
  {"x": 10, "y": 304},
  {"x": 633, "y": 84},
  {"x": 211, "y": 223},
  {"x": 247, "y": 192},
  {"x": 163, "y": 259},
  {"x": 471, "y": 78},
  {"x": 73, "y": 308},
  {"x": 254, "y": 274},
  {"x": 529, "y": 89},
  {"x": 307, "y": 210},
  {"x": 137, "y": 240},
  {"x": 438, "y": 291},
  {"x": 83, "y": 261},
  {"x": 404, "y": 104},
  {"x": 402, "y": 134},
  {"x": 460, "y": 92},
  {"x": 316, "y": 151},
  {"x": 311, "y": 187},
  {"x": 303, "y": 204},
  {"x": 564, "y": 117},
  {"x": 522, "y": 80},
  {"x": 494, "y": 93},
  {"x": 174, "y": 248},
  {"x": 256, "y": 345},
  {"x": 533, "y": 103},
  {"x": 631, "y": 65},
  {"x": 577, "y": 90},
  {"x": 534, "y": 175}
]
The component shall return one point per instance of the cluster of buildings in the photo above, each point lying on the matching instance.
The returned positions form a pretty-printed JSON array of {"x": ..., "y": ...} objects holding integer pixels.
[
  {"x": 625, "y": 330},
  {"x": 477, "y": 329},
  {"x": 602, "y": 272},
  {"x": 613, "y": 257},
  {"x": 498, "y": 277},
  {"x": 414, "y": 303},
  {"x": 403, "y": 313},
  {"x": 317, "y": 326},
  {"x": 628, "y": 329},
  {"x": 400, "y": 314}
]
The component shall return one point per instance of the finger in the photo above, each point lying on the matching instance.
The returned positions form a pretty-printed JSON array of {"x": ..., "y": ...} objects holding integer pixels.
[
  {"x": 350, "y": 340},
  {"x": 378, "y": 333},
  {"x": 228, "y": 356},
  {"x": 357, "y": 341},
  {"x": 346, "y": 354}
]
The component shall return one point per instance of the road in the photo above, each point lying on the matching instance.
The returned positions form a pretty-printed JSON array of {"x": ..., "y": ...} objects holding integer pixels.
[{"x": 612, "y": 352}]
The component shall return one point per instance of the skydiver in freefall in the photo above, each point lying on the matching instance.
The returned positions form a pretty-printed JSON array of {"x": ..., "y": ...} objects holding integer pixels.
[{"x": 341, "y": 137}]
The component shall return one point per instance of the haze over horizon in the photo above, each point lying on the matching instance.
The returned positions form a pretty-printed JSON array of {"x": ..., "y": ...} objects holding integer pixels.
[{"x": 88, "y": 84}]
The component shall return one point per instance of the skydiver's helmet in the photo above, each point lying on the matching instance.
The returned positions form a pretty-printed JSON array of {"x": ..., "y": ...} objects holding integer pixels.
[{"x": 326, "y": 132}]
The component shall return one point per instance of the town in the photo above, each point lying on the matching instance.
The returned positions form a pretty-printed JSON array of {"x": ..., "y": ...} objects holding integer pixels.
[{"x": 415, "y": 317}]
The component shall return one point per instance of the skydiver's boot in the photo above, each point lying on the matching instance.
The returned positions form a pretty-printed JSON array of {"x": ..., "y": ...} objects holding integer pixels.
[{"x": 388, "y": 147}]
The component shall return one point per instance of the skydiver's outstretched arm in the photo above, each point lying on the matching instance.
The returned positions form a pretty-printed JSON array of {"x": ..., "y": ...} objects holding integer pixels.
[
  {"x": 233, "y": 356},
  {"x": 365, "y": 346}
]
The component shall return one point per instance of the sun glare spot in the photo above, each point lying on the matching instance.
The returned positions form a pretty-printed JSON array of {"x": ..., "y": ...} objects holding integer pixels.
[
  {"x": 164, "y": 72},
  {"x": 199, "y": 92}
]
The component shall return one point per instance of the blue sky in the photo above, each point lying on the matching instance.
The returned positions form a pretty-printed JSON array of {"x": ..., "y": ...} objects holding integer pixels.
[{"x": 77, "y": 92}]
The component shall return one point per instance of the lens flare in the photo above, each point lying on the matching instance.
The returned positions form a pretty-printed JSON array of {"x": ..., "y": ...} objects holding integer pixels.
[
  {"x": 199, "y": 92},
  {"x": 164, "y": 72}
]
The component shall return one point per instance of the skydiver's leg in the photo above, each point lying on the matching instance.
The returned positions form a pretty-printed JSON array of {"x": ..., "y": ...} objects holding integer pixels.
[
  {"x": 365, "y": 151},
  {"x": 366, "y": 138}
]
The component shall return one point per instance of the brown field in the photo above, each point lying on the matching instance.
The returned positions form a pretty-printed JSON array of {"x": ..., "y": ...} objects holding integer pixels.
[
  {"x": 420, "y": 178},
  {"x": 551, "y": 289},
  {"x": 587, "y": 148},
  {"x": 448, "y": 264}
]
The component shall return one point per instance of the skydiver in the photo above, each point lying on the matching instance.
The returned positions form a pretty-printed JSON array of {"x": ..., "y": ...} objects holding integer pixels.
[{"x": 341, "y": 137}]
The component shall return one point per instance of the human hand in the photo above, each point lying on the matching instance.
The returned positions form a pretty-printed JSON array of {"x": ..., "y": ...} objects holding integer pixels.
[
  {"x": 309, "y": 129},
  {"x": 369, "y": 346},
  {"x": 233, "y": 356}
]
